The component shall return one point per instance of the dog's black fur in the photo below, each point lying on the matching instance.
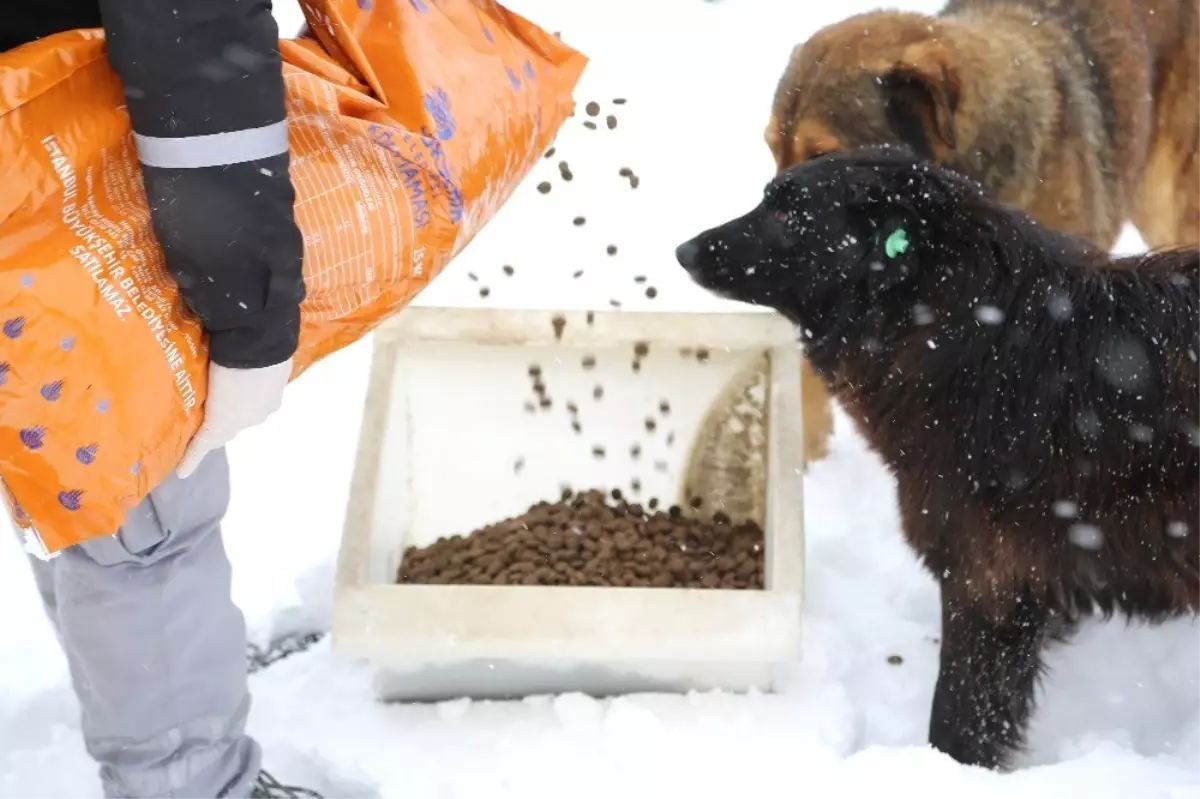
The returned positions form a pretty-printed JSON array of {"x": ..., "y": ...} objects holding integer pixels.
[{"x": 1037, "y": 400}]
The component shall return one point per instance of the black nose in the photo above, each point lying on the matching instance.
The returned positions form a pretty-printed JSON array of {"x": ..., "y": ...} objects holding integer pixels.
[{"x": 686, "y": 253}]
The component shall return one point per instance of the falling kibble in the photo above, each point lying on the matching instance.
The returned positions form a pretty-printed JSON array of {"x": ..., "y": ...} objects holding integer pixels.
[
  {"x": 530, "y": 407},
  {"x": 625, "y": 172},
  {"x": 639, "y": 278},
  {"x": 518, "y": 466},
  {"x": 670, "y": 438},
  {"x": 651, "y": 292},
  {"x": 702, "y": 355},
  {"x": 589, "y": 361},
  {"x": 544, "y": 187},
  {"x": 592, "y": 108},
  {"x": 550, "y": 153},
  {"x": 589, "y": 124},
  {"x": 634, "y": 182},
  {"x": 611, "y": 122},
  {"x": 650, "y": 425},
  {"x": 653, "y": 503},
  {"x": 611, "y": 249},
  {"x": 637, "y": 367},
  {"x": 635, "y": 451},
  {"x": 598, "y": 452},
  {"x": 618, "y": 101},
  {"x": 577, "y": 427},
  {"x": 473, "y": 276},
  {"x": 484, "y": 291},
  {"x": 578, "y": 274},
  {"x": 895, "y": 660},
  {"x": 572, "y": 408},
  {"x": 591, "y": 317},
  {"x": 636, "y": 486},
  {"x": 508, "y": 270},
  {"x": 579, "y": 221},
  {"x": 615, "y": 303},
  {"x": 641, "y": 349},
  {"x": 546, "y": 403},
  {"x": 564, "y": 170},
  {"x": 664, "y": 407},
  {"x": 535, "y": 371},
  {"x": 598, "y": 392},
  {"x": 559, "y": 323}
]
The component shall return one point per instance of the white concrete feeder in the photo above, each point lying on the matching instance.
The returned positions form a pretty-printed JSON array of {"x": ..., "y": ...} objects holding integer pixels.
[{"x": 449, "y": 445}]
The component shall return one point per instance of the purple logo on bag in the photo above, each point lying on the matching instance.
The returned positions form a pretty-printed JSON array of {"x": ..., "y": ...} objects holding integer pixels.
[
  {"x": 4, "y": 367},
  {"x": 103, "y": 405},
  {"x": 365, "y": 5},
  {"x": 67, "y": 343},
  {"x": 71, "y": 500},
  {"x": 52, "y": 391},
  {"x": 487, "y": 34},
  {"x": 437, "y": 103},
  {"x": 86, "y": 455},
  {"x": 136, "y": 467},
  {"x": 528, "y": 70},
  {"x": 33, "y": 437},
  {"x": 418, "y": 5},
  {"x": 513, "y": 79},
  {"x": 26, "y": 281},
  {"x": 13, "y": 328}
]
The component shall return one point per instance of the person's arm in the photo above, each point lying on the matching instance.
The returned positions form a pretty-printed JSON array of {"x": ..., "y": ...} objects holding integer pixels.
[{"x": 204, "y": 90}]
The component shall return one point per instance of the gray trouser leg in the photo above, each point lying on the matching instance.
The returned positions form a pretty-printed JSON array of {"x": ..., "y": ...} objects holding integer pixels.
[{"x": 156, "y": 647}]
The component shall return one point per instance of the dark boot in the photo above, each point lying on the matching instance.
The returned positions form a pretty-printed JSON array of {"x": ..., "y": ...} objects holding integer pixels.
[{"x": 267, "y": 787}]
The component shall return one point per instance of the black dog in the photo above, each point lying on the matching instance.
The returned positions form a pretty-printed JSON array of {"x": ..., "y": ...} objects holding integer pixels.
[{"x": 1037, "y": 400}]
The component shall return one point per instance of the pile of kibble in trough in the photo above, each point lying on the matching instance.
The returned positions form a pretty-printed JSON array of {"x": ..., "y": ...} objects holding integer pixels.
[{"x": 587, "y": 540}]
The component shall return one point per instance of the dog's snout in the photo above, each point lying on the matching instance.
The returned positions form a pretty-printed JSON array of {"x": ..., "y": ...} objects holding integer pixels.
[{"x": 687, "y": 253}]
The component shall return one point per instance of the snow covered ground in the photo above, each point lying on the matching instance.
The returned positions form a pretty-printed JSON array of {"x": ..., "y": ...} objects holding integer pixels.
[{"x": 1119, "y": 715}]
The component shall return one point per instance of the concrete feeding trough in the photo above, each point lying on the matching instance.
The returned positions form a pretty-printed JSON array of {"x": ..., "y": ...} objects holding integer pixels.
[{"x": 448, "y": 414}]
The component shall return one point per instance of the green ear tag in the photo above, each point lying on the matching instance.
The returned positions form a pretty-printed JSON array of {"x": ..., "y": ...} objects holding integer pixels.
[{"x": 896, "y": 243}]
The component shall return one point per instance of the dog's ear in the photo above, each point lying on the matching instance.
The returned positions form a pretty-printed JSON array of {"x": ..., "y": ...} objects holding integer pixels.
[{"x": 922, "y": 90}]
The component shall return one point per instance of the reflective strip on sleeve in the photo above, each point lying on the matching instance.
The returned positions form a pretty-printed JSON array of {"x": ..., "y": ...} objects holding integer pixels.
[{"x": 215, "y": 149}]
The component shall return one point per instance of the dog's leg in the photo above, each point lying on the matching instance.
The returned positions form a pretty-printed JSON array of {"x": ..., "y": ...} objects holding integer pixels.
[
  {"x": 818, "y": 414},
  {"x": 989, "y": 669}
]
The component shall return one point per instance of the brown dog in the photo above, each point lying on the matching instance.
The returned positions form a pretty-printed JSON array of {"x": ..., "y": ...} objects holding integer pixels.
[{"x": 1083, "y": 113}]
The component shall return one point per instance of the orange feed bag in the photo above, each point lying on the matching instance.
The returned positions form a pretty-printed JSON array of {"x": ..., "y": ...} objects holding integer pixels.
[{"x": 411, "y": 122}]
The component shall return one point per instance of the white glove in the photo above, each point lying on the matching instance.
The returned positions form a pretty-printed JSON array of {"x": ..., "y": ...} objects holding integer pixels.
[{"x": 237, "y": 399}]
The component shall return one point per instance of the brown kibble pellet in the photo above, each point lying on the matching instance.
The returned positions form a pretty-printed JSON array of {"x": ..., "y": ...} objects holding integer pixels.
[
  {"x": 598, "y": 392},
  {"x": 484, "y": 291},
  {"x": 530, "y": 407},
  {"x": 895, "y": 660},
  {"x": 590, "y": 538},
  {"x": 651, "y": 292},
  {"x": 550, "y": 153},
  {"x": 615, "y": 303},
  {"x": 535, "y": 371},
  {"x": 664, "y": 407},
  {"x": 639, "y": 278},
  {"x": 651, "y": 425},
  {"x": 641, "y": 349},
  {"x": 636, "y": 486},
  {"x": 592, "y": 108},
  {"x": 634, "y": 182},
  {"x": 546, "y": 403},
  {"x": 544, "y": 187},
  {"x": 589, "y": 362},
  {"x": 568, "y": 175},
  {"x": 611, "y": 122},
  {"x": 578, "y": 274},
  {"x": 577, "y": 427},
  {"x": 589, "y": 124},
  {"x": 611, "y": 249},
  {"x": 625, "y": 172},
  {"x": 696, "y": 502},
  {"x": 618, "y": 101},
  {"x": 598, "y": 452},
  {"x": 702, "y": 355},
  {"x": 591, "y": 317},
  {"x": 572, "y": 408},
  {"x": 508, "y": 270},
  {"x": 473, "y": 276},
  {"x": 559, "y": 323},
  {"x": 637, "y": 367},
  {"x": 518, "y": 465},
  {"x": 578, "y": 221},
  {"x": 635, "y": 451}
]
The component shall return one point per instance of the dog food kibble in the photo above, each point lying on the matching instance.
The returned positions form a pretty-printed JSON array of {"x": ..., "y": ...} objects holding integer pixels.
[
  {"x": 545, "y": 403},
  {"x": 635, "y": 451},
  {"x": 535, "y": 371},
  {"x": 611, "y": 249},
  {"x": 598, "y": 392},
  {"x": 592, "y": 108},
  {"x": 473, "y": 276},
  {"x": 650, "y": 425},
  {"x": 578, "y": 221},
  {"x": 564, "y": 171},
  {"x": 589, "y": 124},
  {"x": 611, "y": 122},
  {"x": 572, "y": 408},
  {"x": 702, "y": 355},
  {"x": 544, "y": 187},
  {"x": 577, "y": 427},
  {"x": 530, "y": 407},
  {"x": 637, "y": 367},
  {"x": 508, "y": 270},
  {"x": 578, "y": 274},
  {"x": 660, "y": 466},
  {"x": 559, "y": 323},
  {"x": 651, "y": 292},
  {"x": 895, "y": 660},
  {"x": 598, "y": 452},
  {"x": 550, "y": 153},
  {"x": 587, "y": 540},
  {"x": 625, "y": 172},
  {"x": 641, "y": 349},
  {"x": 664, "y": 407},
  {"x": 618, "y": 101},
  {"x": 591, "y": 317},
  {"x": 636, "y": 486},
  {"x": 670, "y": 438},
  {"x": 639, "y": 278},
  {"x": 484, "y": 291},
  {"x": 615, "y": 303},
  {"x": 634, "y": 182},
  {"x": 519, "y": 465},
  {"x": 589, "y": 361}
]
